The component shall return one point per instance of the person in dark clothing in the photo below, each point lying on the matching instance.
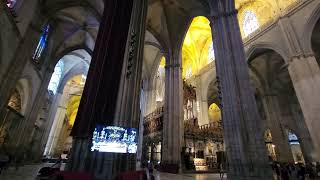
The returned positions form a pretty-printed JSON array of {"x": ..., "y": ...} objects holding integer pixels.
[
  {"x": 318, "y": 169},
  {"x": 277, "y": 170},
  {"x": 310, "y": 171},
  {"x": 284, "y": 173},
  {"x": 301, "y": 172}
]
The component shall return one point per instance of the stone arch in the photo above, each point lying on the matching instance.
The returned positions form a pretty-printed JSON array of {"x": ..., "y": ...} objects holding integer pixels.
[
  {"x": 52, "y": 9},
  {"x": 152, "y": 41},
  {"x": 81, "y": 66},
  {"x": 179, "y": 44},
  {"x": 211, "y": 90},
  {"x": 260, "y": 81},
  {"x": 66, "y": 51},
  {"x": 194, "y": 49},
  {"x": 159, "y": 38},
  {"x": 256, "y": 47},
  {"x": 78, "y": 69},
  {"x": 270, "y": 72},
  {"x": 308, "y": 29}
]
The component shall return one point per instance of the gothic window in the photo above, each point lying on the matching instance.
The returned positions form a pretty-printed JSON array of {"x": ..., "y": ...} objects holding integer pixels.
[
  {"x": 250, "y": 23},
  {"x": 42, "y": 43},
  {"x": 56, "y": 77},
  {"x": 211, "y": 56},
  {"x": 11, "y": 3},
  {"x": 293, "y": 139},
  {"x": 15, "y": 101}
]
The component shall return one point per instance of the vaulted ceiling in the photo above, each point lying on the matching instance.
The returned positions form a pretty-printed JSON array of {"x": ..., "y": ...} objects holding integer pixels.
[
  {"x": 76, "y": 24},
  {"x": 198, "y": 39}
]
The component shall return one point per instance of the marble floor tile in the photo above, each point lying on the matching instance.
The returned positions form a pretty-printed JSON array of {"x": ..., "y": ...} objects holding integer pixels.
[{"x": 29, "y": 172}]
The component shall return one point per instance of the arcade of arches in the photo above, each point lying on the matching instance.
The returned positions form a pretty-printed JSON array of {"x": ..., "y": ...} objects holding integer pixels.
[{"x": 204, "y": 83}]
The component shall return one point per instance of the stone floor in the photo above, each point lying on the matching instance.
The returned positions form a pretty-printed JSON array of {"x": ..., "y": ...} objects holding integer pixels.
[
  {"x": 29, "y": 172},
  {"x": 167, "y": 176}
]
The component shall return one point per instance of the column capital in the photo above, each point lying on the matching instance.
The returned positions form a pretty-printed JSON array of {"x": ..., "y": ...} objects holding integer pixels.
[
  {"x": 269, "y": 95},
  {"x": 172, "y": 66},
  {"x": 301, "y": 56},
  {"x": 218, "y": 15}
]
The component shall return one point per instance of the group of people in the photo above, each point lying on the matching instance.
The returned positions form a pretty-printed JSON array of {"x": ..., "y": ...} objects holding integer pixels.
[{"x": 291, "y": 171}]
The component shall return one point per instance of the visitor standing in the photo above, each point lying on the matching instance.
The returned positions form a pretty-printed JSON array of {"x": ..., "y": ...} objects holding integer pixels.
[
  {"x": 222, "y": 170},
  {"x": 301, "y": 172}
]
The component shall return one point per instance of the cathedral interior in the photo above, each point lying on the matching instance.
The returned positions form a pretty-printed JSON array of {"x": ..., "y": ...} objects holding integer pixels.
[{"x": 187, "y": 86}]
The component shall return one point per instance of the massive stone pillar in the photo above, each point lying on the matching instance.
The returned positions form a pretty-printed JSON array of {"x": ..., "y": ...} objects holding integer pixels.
[
  {"x": 245, "y": 148},
  {"x": 173, "y": 113},
  {"x": 59, "y": 109},
  {"x": 111, "y": 94},
  {"x": 305, "y": 75},
  {"x": 305, "y": 140},
  {"x": 202, "y": 103},
  {"x": 51, "y": 123},
  {"x": 29, "y": 125},
  {"x": 279, "y": 137}
]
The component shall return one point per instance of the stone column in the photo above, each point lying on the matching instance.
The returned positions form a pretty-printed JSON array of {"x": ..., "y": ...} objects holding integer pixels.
[
  {"x": 305, "y": 141},
  {"x": 305, "y": 75},
  {"x": 111, "y": 94},
  {"x": 203, "y": 116},
  {"x": 60, "y": 117},
  {"x": 173, "y": 112},
  {"x": 59, "y": 112},
  {"x": 279, "y": 137},
  {"x": 50, "y": 125},
  {"x": 28, "y": 125},
  {"x": 140, "y": 145},
  {"x": 243, "y": 136}
]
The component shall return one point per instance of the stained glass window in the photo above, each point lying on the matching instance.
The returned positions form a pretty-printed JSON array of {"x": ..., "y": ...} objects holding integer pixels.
[
  {"x": 56, "y": 77},
  {"x": 11, "y": 3},
  {"x": 211, "y": 56},
  {"x": 42, "y": 43},
  {"x": 250, "y": 23}
]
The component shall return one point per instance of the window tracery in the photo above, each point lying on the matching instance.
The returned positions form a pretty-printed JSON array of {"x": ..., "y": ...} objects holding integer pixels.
[
  {"x": 56, "y": 77},
  {"x": 250, "y": 23},
  {"x": 42, "y": 43}
]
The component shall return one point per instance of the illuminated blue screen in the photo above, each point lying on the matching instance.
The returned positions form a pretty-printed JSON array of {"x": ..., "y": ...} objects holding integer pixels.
[{"x": 114, "y": 139}]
